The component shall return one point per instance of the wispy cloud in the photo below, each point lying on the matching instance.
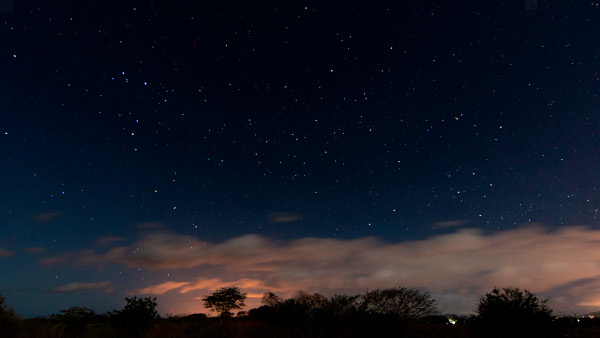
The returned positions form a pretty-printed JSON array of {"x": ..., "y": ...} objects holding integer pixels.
[
  {"x": 216, "y": 283},
  {"x": 102, "y": 287},
  {"x": 56, "y": 260},
  {"x": 34, "y": 250},
  {"x": 45, "y": 217},
  {"x": 106, "y": 241},
  {"x": 161, "y": 288},
  {"x": 450, "y": 224},
  {"x": 459, "y": 265},
  {"x": 6, "y": 253},
  {"x": 283, "y": 217},
  {"x": 202, "y": 284}
]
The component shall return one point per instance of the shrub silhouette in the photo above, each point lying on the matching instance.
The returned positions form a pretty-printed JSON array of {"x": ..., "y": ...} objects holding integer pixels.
[
  {"x": 10, "y": 323},
  {"x": 224, "y": 300},
  {"x": 75, "y": 320},
  {"x": 137, "y": 316},
  {"x": 514, "y": 310}
]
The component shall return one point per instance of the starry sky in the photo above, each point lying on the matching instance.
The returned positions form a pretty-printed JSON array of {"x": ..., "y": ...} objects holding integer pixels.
[{"x": 168, "y": 148}]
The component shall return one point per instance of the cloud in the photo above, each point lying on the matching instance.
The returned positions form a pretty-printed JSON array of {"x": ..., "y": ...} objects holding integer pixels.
[
  {"x": 449, "y": 224},
  {"x": 55, "y": 260},
  {"x": 460, "y": 265},
  {"x": 283, "y": 217},
  {"x": 103, "y": 287},
  {"x": 159, "y": 289},
  {"x": 45, "y": 217},
  {"x": 217, "y": 283},
  {"x": 34, "y": 250},
  {"x": 6, "y": 253},
  {"x": 202, "y": 284},
  {"x": 105, "y": 241}
]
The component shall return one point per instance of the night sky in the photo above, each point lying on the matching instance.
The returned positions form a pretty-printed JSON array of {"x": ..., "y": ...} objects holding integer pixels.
[{"x": 168, "y": 148}]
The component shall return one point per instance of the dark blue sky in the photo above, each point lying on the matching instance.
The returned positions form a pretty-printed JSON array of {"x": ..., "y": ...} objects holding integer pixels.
[{"x": 403, "y": 121}]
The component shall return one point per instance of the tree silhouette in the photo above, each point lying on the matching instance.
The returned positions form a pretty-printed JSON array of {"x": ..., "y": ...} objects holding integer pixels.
[
  {"x": 271, "y": 299},
  {"x": 404, "y": 302},
  {"x": 311, "y": 302},
  {"x": 75, "y": 313},
  {"x": 138, "y": 315},
  {"x": 343, "y": 304},
  {"x": 76, "y": 320},
  {"x": 513, "y": 310},
  {"x": 512, "y": 304},
  {"x": 224, "y": 300}
]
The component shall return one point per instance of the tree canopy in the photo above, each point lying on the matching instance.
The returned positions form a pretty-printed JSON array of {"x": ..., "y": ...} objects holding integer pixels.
[
  {"x": 138, "y": 315},
  {"x": 513, "y": 312},
  {"x": 224, "y": 300},
  {"x": 512, "y": 304}
]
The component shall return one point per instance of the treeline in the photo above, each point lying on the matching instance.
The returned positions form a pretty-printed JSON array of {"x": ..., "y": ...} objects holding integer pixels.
[{"x": 396, "y": 312}]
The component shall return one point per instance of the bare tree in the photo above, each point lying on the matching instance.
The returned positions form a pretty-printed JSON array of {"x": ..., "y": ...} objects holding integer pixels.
[{"x": 404, "y": 302}]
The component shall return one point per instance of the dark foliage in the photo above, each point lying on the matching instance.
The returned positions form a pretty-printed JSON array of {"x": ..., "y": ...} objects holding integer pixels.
[
  {"x": 10, "y": 323},
  {"x": 271, "y": 299},
  {"x": 511, "y": 310},
  {"x": 224, "y": 300},
  {"x": 403, "y": 302},
  {"x": 76, "y": 320},
  {"x": 308, "y": 315},
  {"x": 137, "y": 316},
  {"x": 75, "y": 314}
]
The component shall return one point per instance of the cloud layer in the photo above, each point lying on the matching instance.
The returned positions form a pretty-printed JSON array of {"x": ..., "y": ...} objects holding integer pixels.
[{"x": 564, "y": 264}]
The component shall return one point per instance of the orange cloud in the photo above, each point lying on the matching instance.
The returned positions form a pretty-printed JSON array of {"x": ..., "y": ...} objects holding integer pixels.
[{"x": 159, "y": 289}]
